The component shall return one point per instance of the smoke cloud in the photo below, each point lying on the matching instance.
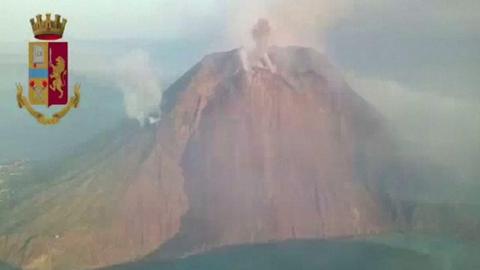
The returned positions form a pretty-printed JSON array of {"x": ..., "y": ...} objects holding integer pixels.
[
  {"x": 442, "y": 128},
  {"x": 303, "y": 22},
  {"x": 136, "y": 78},
  {"x": 261, "y": 35}
]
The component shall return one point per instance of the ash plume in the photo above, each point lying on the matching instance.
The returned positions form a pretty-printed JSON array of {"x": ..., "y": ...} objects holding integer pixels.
[
  {"x": 261, "y": 35},
  {"x": 258, "y": 57},
  {"x": 303, "y": 22}
]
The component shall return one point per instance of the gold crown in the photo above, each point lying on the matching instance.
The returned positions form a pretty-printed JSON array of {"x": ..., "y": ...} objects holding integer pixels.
[{"x": 48, "y": 28}]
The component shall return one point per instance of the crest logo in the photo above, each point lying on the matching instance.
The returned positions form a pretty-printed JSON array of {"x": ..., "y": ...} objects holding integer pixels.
[{"x": 48, "y": 71}]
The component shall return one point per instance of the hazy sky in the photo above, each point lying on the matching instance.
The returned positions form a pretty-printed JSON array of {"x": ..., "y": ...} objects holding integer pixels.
[
  {"x": 389, "y": 36},
  {"x": 108, "y": 18},
  {"x": 160, "y": 19},
  {"x": 416, "y": 60}
]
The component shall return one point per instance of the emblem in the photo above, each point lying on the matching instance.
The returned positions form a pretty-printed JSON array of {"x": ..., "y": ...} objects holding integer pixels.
[{"x": 48, "y": 71}]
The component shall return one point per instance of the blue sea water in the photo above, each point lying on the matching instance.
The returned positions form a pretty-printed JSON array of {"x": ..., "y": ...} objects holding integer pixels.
[{"x": 389, "y": 252}]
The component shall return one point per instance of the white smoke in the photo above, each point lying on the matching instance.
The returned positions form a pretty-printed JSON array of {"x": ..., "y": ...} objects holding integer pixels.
[
  {"x": 444, "y": 128},
  {"x": 302, "y": 22},
  {"x": 136, "y": 78}
]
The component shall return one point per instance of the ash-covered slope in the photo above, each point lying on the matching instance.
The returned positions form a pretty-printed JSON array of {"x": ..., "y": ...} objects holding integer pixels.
[
  {"x": 249, "y": 149},
  {"x": 272, "y": 152}
]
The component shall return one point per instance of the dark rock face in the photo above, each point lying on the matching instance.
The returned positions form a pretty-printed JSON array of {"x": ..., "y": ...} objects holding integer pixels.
[{"x": 243, "y": 154}]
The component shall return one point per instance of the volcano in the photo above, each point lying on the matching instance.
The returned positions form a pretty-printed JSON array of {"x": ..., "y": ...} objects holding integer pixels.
[
  {"x": 274, "y": 153},
  {"x": 247, "y": 151}
]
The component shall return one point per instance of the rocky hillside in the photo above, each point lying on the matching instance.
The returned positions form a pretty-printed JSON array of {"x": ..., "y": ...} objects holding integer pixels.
[{"x": 275, "y": 154}]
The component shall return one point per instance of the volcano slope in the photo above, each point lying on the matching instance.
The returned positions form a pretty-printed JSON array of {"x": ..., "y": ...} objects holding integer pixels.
[{"x": 243, "y": 154}]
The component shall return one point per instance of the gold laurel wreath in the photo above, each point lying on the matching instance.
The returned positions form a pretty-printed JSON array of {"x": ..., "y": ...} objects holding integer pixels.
[{"x": 56, "y": 117}]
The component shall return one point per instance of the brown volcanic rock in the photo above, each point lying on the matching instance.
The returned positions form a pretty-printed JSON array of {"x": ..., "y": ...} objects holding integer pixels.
[
  {"x": 241, "y": 155},
  {"x": 275, "y": 155}
]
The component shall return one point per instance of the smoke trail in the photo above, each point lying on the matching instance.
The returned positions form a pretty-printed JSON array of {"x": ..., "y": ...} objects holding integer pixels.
[{"x": 136, "y": 78}]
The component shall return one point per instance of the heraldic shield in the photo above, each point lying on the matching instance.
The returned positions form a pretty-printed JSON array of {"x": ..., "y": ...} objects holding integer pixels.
[{"x": 48, "y": 72}]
